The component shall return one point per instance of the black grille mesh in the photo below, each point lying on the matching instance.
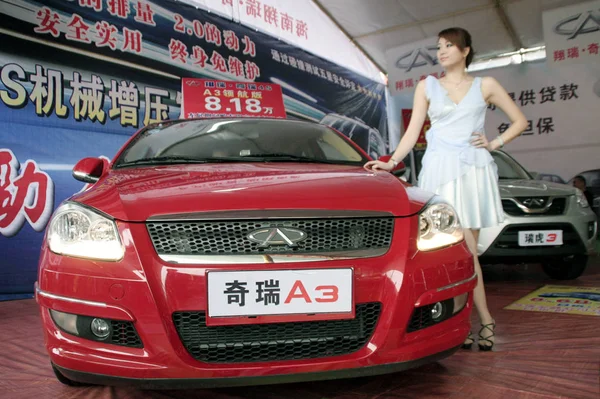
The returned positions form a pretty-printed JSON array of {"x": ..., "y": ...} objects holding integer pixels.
[
  {"x": 277, "y": 341},
  {"x": 230, "y": 237},
  {"x": 421, "y": 318},
  {"x": 124, "y": 334},
  {"x": 558, "y": 207}
]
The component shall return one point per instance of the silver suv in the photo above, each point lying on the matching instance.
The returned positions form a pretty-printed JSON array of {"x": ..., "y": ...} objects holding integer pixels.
[{"x": 545, "y": 222}]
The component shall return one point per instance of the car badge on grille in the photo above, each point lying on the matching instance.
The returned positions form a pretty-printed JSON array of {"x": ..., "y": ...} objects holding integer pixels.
[
  {"x": 275, "y": 236},
  {"x": 534, "y": 202}
]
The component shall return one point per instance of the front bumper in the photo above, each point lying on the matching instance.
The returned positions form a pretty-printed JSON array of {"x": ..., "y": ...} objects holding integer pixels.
[
  {"x": 499, "y": 244},
  {"x": 194, "y": 383},
  {"x": 159, "y": 363},
  {"x": 147, "y": 293}
]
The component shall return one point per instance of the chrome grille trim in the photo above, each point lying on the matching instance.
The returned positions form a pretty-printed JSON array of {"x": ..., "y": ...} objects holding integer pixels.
[
  {"x": 268, "y": 214},
  {"x": 535, "y": 211},
  {"x": 270, "y": 258}
]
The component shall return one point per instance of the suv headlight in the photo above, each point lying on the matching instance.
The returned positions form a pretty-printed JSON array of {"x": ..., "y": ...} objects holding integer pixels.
[
  {"x": 438, "y": 226},
  {"x": 581, "y": 199},
  {"x": 80, "y": 232}
]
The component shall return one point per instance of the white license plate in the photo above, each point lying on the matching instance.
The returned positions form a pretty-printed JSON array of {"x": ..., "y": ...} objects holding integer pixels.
[
  {"x": 279, "y": 292},
  {"x": 540, "y": 238}
]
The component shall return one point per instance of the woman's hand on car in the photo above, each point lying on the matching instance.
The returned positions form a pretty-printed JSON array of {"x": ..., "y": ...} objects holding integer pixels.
[{"x": 378, "y": 165}]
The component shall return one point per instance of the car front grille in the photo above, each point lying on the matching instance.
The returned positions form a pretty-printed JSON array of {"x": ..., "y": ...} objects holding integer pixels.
[
  {"x": 124, "y": 334},
  {"x": 558, "y": 207},
  {"x": 422, "y": 316},
  {"x": 276, "y": 341},
  {"x": 231, "y": 237}
]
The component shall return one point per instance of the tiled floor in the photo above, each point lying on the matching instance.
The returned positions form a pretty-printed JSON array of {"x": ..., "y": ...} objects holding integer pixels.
[{"x": 537, "y": 355}]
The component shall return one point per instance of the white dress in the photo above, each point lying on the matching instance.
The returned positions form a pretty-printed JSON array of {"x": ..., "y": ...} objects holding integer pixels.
[{"x": 465, "y": 176}]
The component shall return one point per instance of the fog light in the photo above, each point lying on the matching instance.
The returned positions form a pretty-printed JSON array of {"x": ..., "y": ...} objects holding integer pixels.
[
  {"x": 460, "y": 302},
  {"x": 437, "y": 311},
  {"x": 100, "y": 328},
  {"x": 66, "y": 321}
]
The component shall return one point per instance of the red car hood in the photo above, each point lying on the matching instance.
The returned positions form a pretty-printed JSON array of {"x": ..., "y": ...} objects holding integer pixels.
[{"x": 139, "y": 193}]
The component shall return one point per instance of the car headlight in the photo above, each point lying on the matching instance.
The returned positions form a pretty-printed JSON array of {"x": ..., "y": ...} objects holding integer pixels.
[
  {"x": 80, "y": 232},
  {"x": 581, "y": 199},
  {"x": 438, "y": 226}
]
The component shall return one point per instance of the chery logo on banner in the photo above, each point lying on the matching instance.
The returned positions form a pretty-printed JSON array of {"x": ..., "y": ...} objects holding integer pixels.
[
  {"x": 409, "y": 64},
  {"x": 417, "y": 58},
  {"x": 572, "y": 34},
  {"x": 26, "y": 193},
  {"x": 579, "y": 24}
]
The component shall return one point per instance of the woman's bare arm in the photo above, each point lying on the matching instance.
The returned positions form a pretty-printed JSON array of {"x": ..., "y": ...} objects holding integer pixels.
[
  {"x": 411, "y": 135},
  {"x": 495, "y": 94}
]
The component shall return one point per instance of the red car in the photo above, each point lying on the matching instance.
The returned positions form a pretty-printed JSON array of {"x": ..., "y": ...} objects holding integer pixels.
[{"x": 243, "y": 251}]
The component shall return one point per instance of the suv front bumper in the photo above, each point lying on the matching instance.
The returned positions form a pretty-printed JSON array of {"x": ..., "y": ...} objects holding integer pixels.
[{"x": 500, "y": 244}]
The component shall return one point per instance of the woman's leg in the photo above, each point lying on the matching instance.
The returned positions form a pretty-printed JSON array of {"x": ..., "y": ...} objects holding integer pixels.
[{"x": 479, "y": 299}]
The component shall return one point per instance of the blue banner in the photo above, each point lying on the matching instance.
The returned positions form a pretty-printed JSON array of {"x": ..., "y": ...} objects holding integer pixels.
[{"x": 79, "y": 77}]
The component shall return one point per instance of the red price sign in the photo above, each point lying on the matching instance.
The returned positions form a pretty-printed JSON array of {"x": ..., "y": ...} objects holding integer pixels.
[{"x": 205, "y": 98}]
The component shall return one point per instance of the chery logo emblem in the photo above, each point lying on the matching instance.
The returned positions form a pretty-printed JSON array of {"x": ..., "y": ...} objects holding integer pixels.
[
  {"x": 275, "y": 236},
  {"x": 417, "y": 58},
  {"x": 193, "y": 83},
  {"x": 534, "y": 202},
  {"x": 578, "y": 24}
]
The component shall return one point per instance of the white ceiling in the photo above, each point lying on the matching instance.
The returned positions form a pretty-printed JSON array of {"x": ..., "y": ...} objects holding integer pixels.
[{"x": 496, "y": 26}]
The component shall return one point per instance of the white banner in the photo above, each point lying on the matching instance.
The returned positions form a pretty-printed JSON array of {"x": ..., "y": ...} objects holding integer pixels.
[
  {"x": 572, "y": 34},
  {"x": 561, "y": 105},
  {"x": 300, "y": 23},
  {"x": 408, "y": 64}
]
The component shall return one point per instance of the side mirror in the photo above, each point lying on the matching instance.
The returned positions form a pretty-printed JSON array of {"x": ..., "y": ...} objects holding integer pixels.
[
  {"x": 89, "y": 170},
  {"x": 535, "y": 175},
  {"x": 399, "y": 169}
]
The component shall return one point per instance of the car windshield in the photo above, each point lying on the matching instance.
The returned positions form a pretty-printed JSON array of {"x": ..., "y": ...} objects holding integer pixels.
[
  {"x": 508, "y": 168},
  {"x": 238, "y": 140}
]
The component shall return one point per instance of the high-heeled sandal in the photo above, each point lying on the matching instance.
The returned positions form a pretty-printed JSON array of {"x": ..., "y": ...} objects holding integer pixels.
[
  {"x": 485, "y": 347},
  {"x": 467, "y": 345}
]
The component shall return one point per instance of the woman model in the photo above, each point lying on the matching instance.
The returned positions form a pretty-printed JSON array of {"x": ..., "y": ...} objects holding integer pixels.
[{"x": 457, "y": 164}]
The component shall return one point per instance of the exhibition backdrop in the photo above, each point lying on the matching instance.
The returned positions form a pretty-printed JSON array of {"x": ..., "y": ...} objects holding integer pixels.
[{"x": 78, "y": 78}]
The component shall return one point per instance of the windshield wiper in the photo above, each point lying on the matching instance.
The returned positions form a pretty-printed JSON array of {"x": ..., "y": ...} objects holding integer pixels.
[
  {"x": 279, "y": 157},
  {"x": 173, "y": 160},
  {"x": 293, "y": 158}
]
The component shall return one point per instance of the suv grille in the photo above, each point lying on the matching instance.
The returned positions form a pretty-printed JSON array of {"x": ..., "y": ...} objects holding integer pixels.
[
  {"x": 558, "y": 206},
  {"x": 277, "y": 341},
  {"x": 231, "y": 237}
]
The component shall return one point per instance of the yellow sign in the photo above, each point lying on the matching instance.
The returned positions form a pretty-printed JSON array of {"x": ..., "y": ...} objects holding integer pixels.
[{"x": 561, "y": 299}]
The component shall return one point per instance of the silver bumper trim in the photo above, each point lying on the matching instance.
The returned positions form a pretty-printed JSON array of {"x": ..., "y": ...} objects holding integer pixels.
[
  {"x": 67, "y": 299},
  {"x": 474, "y": 276}
]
